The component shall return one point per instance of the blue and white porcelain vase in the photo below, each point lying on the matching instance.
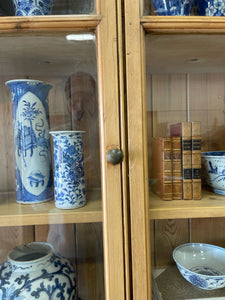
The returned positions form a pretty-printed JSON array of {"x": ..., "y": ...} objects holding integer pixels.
[
  {"x": 211, "y": 7},
  {"x": 32, "y": 7},
  {"x": 34, "y": 178},
  {"x": 173, "y": 7},
  {"x": 69, "y": 169},
  {"x": 34, "y": 271}
]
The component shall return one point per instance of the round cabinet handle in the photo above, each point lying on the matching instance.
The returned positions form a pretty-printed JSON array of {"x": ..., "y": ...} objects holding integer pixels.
[{"x": 114, "y": 156}]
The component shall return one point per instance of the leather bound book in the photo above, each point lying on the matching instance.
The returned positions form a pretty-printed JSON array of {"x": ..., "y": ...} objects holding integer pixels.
[
  {"x": 183, "y": 130},
  {"x": 176, "y": 168},
  {"x": 196, "y": 161},
  {"x": 162, "y": 167}
]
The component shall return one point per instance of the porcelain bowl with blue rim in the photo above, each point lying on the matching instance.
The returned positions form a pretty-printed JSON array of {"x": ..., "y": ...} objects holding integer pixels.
[
  {"x": 203, "y": 265},
  {"x": 211, "y": 7},
  {"x": 213, "y": 170},
  {"x": 173, "y": 7}
]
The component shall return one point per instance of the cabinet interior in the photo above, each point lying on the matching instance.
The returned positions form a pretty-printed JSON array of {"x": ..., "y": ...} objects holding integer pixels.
[
  {"x": 76, "y": 234},
  {"x": 185, "y": 81}
]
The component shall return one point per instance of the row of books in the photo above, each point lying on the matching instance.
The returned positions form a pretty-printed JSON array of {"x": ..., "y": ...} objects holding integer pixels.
[{"x": 176, "y": 162}]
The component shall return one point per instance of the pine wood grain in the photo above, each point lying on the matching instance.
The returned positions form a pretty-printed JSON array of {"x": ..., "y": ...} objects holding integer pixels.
[
  {"x": 207, "y": 106},
  {"x": 11, "y": 237},
  {"x": 211, "y": 205},
  {"x": 208, "y": 230},
  {"x": 50, "y": 23},
  {"x": 7, "y": 170},
  {"x": 170, "y": 234},
  {"x": 61, "y": 236},
  {"x": 89, "y": 259},
  {"x": 183, "y": 24},
  {"x": 110, "y": 137},
  {"x": 12, "y": 213},
  {"x": 137, "y": 146}
]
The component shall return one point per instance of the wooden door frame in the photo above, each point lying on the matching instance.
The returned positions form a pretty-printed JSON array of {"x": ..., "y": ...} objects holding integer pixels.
[
  {"x": 112, "y": 132},
  {"x": 137, "y": 150}
]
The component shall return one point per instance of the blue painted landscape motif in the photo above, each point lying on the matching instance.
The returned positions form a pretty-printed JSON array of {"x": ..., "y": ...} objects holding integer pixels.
[
  {"x": 33, "y": 7},
  {"x": 56, "y": 282},
  {"x": 32, "y": 145},
  {"x": 69, "y": 171}
]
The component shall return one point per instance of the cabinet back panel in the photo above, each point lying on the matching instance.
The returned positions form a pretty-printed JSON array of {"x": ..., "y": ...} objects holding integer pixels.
[{"x": 179, "y": 97}]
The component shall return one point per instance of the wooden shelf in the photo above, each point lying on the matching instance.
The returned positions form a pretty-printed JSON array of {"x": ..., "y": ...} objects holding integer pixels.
[
  {"x": 183, "y": 24},
  {"x": 14, "y": 214},
  {"x": 184, "y": 44},
  {"x": 211, "y": 205},
  {"x": 59, "y": 23}
]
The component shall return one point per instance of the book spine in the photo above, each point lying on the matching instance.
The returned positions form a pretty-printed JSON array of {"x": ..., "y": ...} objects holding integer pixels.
[
  {"x": 196, "y": 161},
  {"x": 176, "y": 168},
  {"x": 187, "y": 167},
  {"x": 162, "y": 167},
  {"x": 183, "y": 129}
]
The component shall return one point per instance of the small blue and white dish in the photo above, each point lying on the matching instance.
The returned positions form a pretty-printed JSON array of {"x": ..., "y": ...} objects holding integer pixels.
[
  {"x": 213, "y": 170},
  {"x": 210, "y": 7},
  {"x": 203, "y": 265},
  {"x": 173, "y": 7}
]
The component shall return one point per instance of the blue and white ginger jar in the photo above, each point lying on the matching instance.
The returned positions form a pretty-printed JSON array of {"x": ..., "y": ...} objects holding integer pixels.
[
  {"x": 33, "y": 168},
  {"x": 32, "y": 7},
  {"x": 69, "y": 178},
  {"x": 34, "y": 271}
]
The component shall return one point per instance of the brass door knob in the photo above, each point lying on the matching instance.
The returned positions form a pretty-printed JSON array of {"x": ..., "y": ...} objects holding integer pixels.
[{"x": 114, "y": 156}]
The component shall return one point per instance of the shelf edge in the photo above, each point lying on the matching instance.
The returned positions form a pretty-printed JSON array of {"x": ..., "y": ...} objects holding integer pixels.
[
  {"x": 184, "y": 24},
  {"x": 49, "y": 23}
]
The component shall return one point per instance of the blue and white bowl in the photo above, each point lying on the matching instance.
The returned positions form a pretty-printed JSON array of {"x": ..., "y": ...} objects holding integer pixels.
[
  {"x": 173, "y": 7},
  {"x": 203, "y": 265},
  {"x": 211, "y": 7},
  {"x": 213, "y": 170},
  {"x": 32, "y": 7}
]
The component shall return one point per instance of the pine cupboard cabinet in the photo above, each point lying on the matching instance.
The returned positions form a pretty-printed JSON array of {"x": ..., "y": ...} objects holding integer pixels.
[
  {"x": 174, "y": 72},
  {"x": 76, "y": 50}
]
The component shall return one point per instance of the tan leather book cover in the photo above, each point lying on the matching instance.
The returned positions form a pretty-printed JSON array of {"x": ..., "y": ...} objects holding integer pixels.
[
  {"x": 183, "y": 130},
  {"x": 176, "y": 168},
  {"x": 162, "y": 167},
  {"x": 196, "y": 161}
]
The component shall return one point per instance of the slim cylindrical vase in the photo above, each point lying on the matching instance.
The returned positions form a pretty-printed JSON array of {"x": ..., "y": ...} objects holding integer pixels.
[
  {"x": 68, "y": 169},
  {"x": 34, "y": 179},
  {"x": 32, "y": 7},
  {"x": 34, "y": 271}
]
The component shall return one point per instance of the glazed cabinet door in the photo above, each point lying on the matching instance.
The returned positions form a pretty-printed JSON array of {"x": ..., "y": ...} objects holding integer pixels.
[
  {"x": 175, "y": 73},
  {"x": 61, "y": 117}
]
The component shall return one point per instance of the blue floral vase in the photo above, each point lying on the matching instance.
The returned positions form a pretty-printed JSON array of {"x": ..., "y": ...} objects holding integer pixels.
[
  {"x": 68, "y": 169},
  {"x": 211, "y": 7},
  {"x": 34, "y": 271},
  {"x": 173, "y": 7},
  {"x": 32, "y": 7},
  {"x": 33, "y": 168}
]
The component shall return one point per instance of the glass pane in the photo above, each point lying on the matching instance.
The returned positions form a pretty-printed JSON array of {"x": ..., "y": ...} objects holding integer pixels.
[
  {"x": 68, "y": 63},
  {"x": 179, "y": 8},
  {"x": 184, "y": 86},
  {"x": 60, "y": 7}
]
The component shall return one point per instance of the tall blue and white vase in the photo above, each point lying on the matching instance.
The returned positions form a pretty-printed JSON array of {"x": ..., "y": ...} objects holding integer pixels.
[
  {"x": 69, "y": 178},
  {"x": 33, "y": 168},
  {"x": 34, "y": 271}
]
